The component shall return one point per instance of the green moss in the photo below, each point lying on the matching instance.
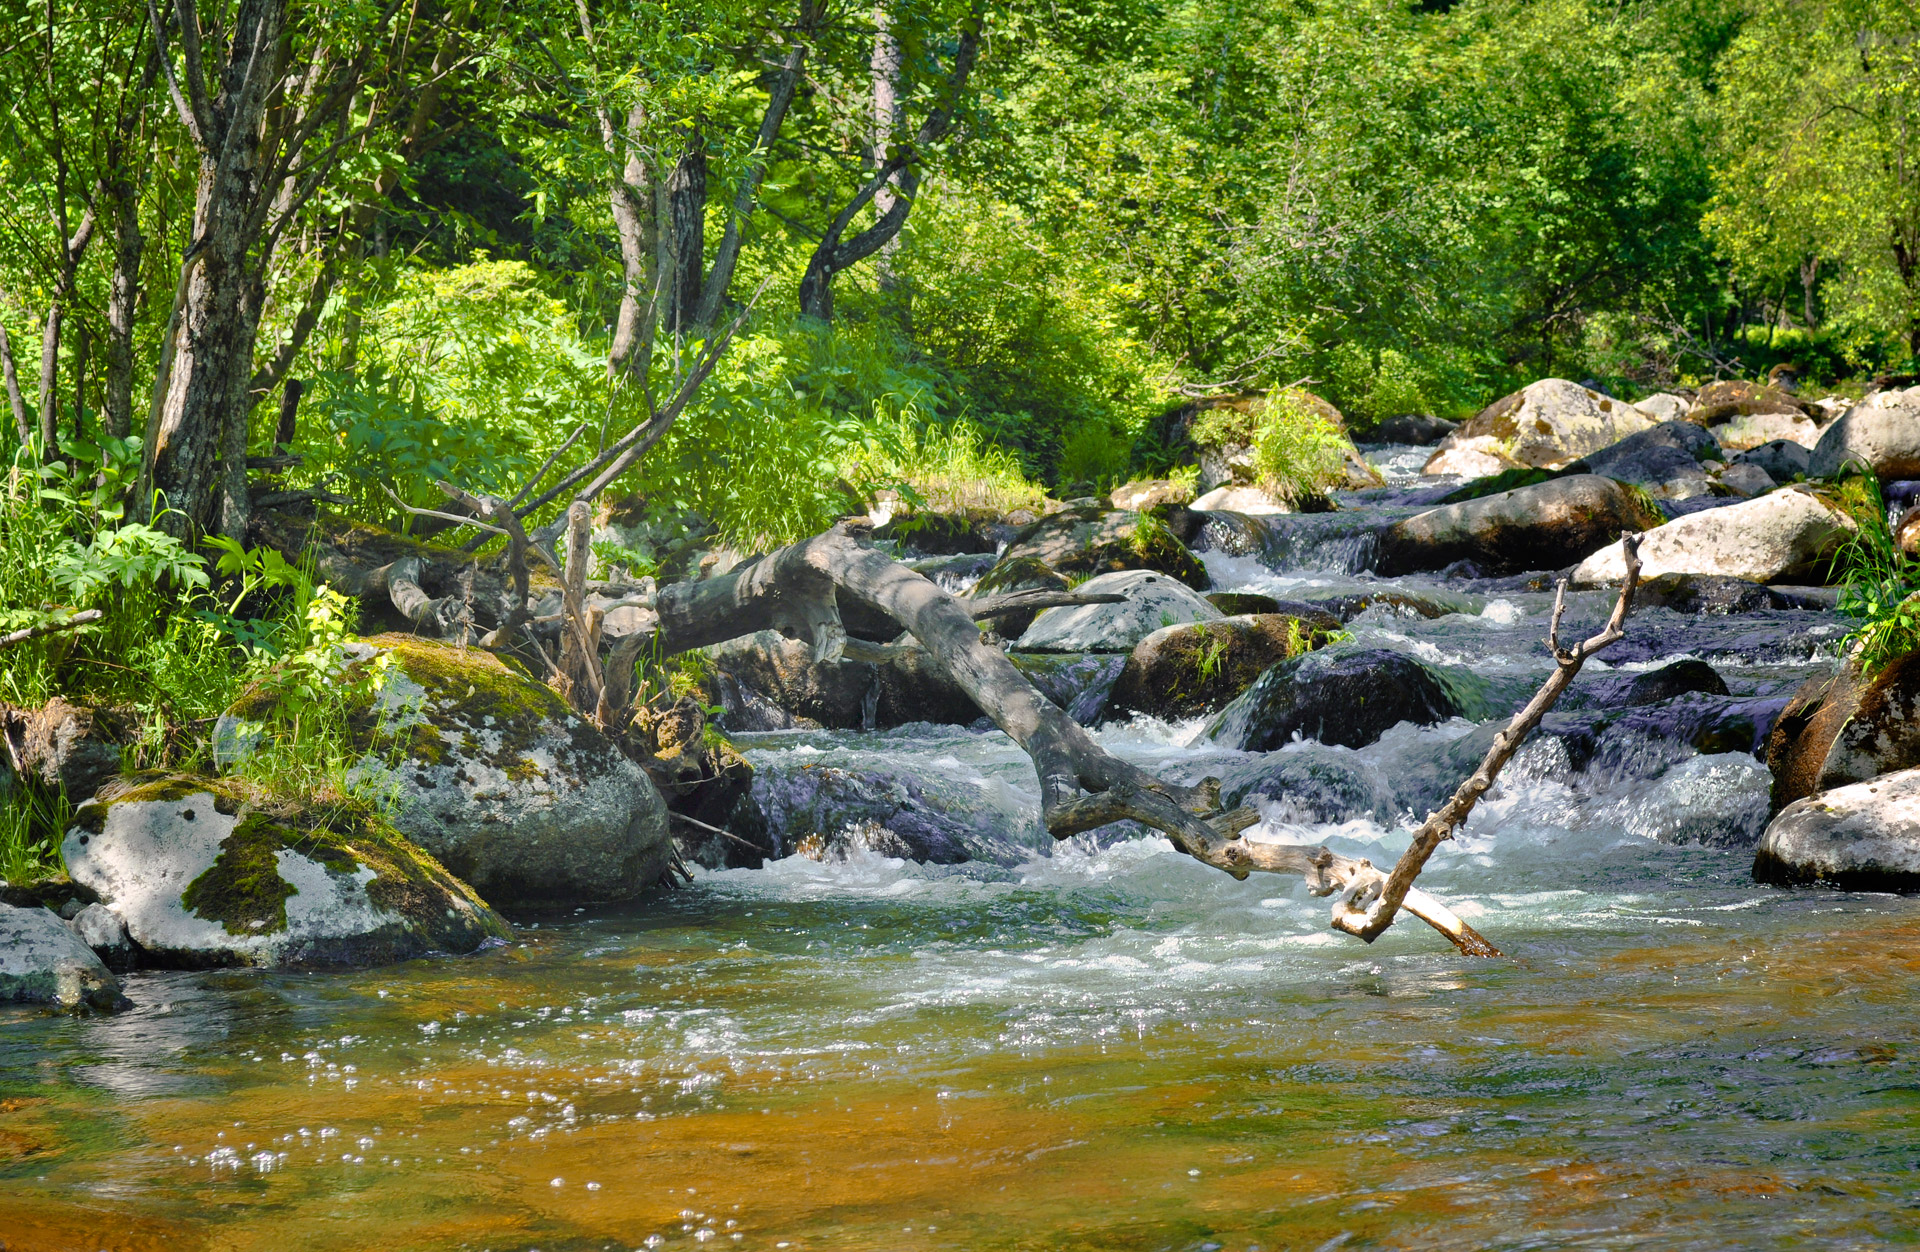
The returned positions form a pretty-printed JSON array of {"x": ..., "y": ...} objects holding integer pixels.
[
  {"x": 1505, "y": 480},
  {"x": 243, "y": 890}
]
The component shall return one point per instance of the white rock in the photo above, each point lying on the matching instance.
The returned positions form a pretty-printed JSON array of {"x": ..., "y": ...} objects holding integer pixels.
[
  {"x": 1472, "y": 458},
  {"x": 1881, "y": 433},
  {"x": 1750, "y": 430},
  {"x": 1865, "y": 836},
  {"x": 1663, "y": 407},
  {"x": 44, "y": 962},
  {"x": 1238, "y": 500},
  {"x": 105, "y": 933},
  {"x": 1546, "y": 425},
  {"x": 1778, "y": 537},
  {"x": 1153, "y": 600}
]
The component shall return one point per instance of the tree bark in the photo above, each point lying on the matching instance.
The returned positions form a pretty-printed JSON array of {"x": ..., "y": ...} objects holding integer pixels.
[
  {"x": 636, "y": 224},
  {"x": 72, "y": 250},
  {"x": 123, "y": 298},
  {"x": 887, "y": 117},
  {"x": 15, "y": 401},
  {"x": 682, "y": 242}
]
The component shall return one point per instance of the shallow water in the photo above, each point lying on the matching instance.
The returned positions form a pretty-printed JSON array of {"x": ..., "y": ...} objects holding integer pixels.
[{"x": 1107, "y": 1047}]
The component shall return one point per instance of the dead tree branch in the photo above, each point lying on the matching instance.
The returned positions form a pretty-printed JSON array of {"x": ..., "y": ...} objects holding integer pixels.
[{"x": 48, "y": 628}]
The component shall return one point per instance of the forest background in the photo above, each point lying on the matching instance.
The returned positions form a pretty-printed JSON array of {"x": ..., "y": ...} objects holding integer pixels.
[{"x": 964, "y": 251}]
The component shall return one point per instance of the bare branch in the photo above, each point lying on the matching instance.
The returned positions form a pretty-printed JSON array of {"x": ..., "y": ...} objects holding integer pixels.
[{"x": 79, "y": 619}]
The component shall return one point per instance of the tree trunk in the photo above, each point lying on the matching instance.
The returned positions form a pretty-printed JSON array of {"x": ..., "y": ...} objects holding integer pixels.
[
  {"x": 71, "y": 253},
  {"x": 636, "y": 223},
  {"x": 123, "y": 296},
  {"x": 887, "y": 116},
  {"x": 15, "y": 401},
  {"x": 683, "y": 242}
]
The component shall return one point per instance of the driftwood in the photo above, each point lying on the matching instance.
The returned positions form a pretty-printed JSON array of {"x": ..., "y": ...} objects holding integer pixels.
[{"x": 47, "y": 628}]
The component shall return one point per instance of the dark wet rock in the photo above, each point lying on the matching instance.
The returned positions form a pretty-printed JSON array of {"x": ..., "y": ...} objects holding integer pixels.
[
  {"x": 1152, "y": 600},
  {"x": 69, "y": 746},
  {"x": 1414, "y": 428},
  {"x": 1545, "y": 424},
  {"x": 1654, "y": 686},
  {"x": 1880, "y": 434},
  {"x": 202, "y": 872},
  {"x": 1346, "y": 698},
  {"x": 1782, "y": 459},
  {"x": 1846, "y": 727},
  {"x": 43, "y": 962},
  {"x": 955, "y": 574},
  {"x": 495, "y": 776},
  {"x": 1545, "y": 526},
  {"x": 1239, "y": 603},
  {"x": 1308, "y": 785},
  {"x": 835, "y": 695},
  {"x": 828, "y": 813},
  {"x": 1396, "y": 603},
  {"x": 937, "y": 534},
  {"x": 1665, "y": 460},
  {"x": 1019, "y": 573},
  {"x": 1092, "y": 538},
  {"x": 1861, "y": 837},
  {"x": 1184, "y": 671},
  {"x": 1787, "y": 536},
  {"x": 1077, "y": 683},
  {"x": 1703, "y": 593}
]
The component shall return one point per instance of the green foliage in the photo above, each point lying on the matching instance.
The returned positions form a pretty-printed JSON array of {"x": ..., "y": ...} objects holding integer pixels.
[
  {"x": 1094, "y": 458},
  {"x": 33, "y": 820},
  {"x": 1375, "y": 386},
  {"x": 1297, "y": 453},
  {"x": 1882, "y": 584}
]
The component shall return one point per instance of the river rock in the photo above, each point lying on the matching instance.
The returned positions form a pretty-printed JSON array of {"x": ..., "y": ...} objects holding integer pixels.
[
  {"x": 69, "y": 746},
  {"x": 1754, "y": 430},
  {"x": 1184, "y": 671},
  {"x": 1415, "y": 428},
  {"x": 1394, "y": 603},
  {"x": 1020, "y": 573},
  {"x": 100, "y": 929},
  {"x": 1545, "y": 424},
  {"x": 1860, "y": 837},
  {"x": 1143, "y": 494},
  {"x": 1231, "y": 498},
  {"x": 1545, "y": 526},
  {"x": 203, "y": 873},
  {"x": 497, "y": 778},
  {"x": 1846, "y": 727},
  {"x": 841, "y": 695},
  {"x": 1153, "y": 600},
  {"x": 1664, "y": 459},
  {"x": 1723, "y": 401},
  {"x": 1089, "y": 538},
  {"x": 1664, "y": 406},
  {"x": 1906, "y": 533},
  {"x": 1310, "y": 785},
  {"x": 1785, "y": 536},
  {"x": 936, "y": 534},
  {"x": 1747, "y": 480},
  {"x": 1880, "y": 434},
  {"x": 1702, "y": 594},
  {"x": 1345, "y": 698},
  {"x": 1653, "y": 686},
  {"x": 1242, "y": 603},
  {"x": 44, "y": 962},
  {"x": 1782, "y": 459},
  {"x": 829, "y": 813}
]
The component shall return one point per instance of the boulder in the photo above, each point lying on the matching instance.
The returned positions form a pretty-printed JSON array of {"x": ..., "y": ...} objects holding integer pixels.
[
  {"x": 1664, "y": 406},
  {"x": 1153, "y": 600},
  {"x": 1545, "y": 526},
  {"x": 1088, "y": 538},
  {"x": 496, "y": 777},
  {"x": 44, "y": 962},
  {"x": 1723, "y": 401},
  {"x": 1241, "y": 603},
  {"x": 1309, "y": 786},
  {"x": 100, "y": 929},
  {"x": 1395, "y": 603},
  {"x": 1186, "y": 671},
  {"x": 842, "y": 695},
  {"x": 1846, "y": 727},
  {"x": 1415, "y": 428},
  {"x": 68, "y": 746},
  {"x": 1702, "y": 594},
  {"x": 1747, "y": 480},
  {"x": 1616, "y": 691},
  {"x": 1253, "y": 501},
  {"x": 1143, "y": 494},
  {"x": 1664, "y": 459},
  {"x": 1783, "y": 459},
  {"x": 935, "y": 534},
  {"x": 1545, "y": 424},
  {"x": 1785, "y": 536},
  {"x": 1742, "y": 433},
  {"x": 1345, "y": 698},
  {"x": 1906, "y": 533},
  {"x": 1077, "y": 682},
  {"x": 1860, "y": 837},
  {"x": 205, "y": 872},
  {"x": 1880, "y": 434},
  {"x": 829, "y": 813},
  {"x": 1019, "y": 573},
  {"x": 1474, "y": 461}
]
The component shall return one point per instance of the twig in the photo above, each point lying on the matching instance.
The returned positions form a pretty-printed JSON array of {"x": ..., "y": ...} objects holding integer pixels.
[
  {"x": 1369, "y": 906},
  {"x": 455, "y": 518},
  {"x": 47, "y": 628},
  {"x": 715, "y": 830}
]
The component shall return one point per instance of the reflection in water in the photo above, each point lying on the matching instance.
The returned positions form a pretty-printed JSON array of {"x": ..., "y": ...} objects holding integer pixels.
[{"x": 1109, "y": 1047}]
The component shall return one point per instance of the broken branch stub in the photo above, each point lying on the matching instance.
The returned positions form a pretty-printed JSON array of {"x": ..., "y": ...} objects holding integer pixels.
[{"x": 1082, "y": 786}]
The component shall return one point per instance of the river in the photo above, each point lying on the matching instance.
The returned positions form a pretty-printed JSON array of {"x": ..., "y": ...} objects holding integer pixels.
[{"x": 1102, "y": 1045}]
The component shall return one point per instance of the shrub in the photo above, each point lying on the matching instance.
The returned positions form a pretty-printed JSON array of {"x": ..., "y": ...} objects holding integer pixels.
[{"x": 1882, "y": 584}]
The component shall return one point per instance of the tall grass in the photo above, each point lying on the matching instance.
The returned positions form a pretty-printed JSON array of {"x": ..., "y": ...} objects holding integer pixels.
[
  {"x": 950, "y": 466},
  {"x": 1882, "y": 584}
]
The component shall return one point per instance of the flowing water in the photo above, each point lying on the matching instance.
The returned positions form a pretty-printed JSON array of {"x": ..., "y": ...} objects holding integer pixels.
[{"x": 1101, "y": 1045}]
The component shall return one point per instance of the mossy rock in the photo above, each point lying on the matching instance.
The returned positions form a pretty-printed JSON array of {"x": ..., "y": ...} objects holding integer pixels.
[
  {"x": 1198, "y": 668},
  {"x": 206, "y": 871},
  {"x": 493, "y": 774},
  {"x": 1090, "y": 539}
]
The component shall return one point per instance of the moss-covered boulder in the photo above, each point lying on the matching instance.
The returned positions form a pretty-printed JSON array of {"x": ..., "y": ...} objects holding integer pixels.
[
  {"x": 1090, "y": 538},
  {"x": 493, "y": 774},
  {"x": 207, "y": 872},
  {"x": 1346, "y": 698},
  {"x": 1846, "y": 727},
  {"x": 1185, "y": 671}
]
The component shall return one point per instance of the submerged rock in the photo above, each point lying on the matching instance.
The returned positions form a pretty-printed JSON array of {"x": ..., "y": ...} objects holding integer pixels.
[
  {"x": 1786, "y": 536},
  {"x": 44, "y": 962},
  {"x": 1090, "y": 538},
  {"x": 1545, "y": 424},
  {"x": 1346, "y": 698},
  {"x": 1153, "y": 600},
  {"x": 1860, "y": 837},
  {"x": 1881, "y": 434},
  {"x": 1308, "y": 785},
  {"x": 203, "y": 874},
  {"x": 1846, "y": 727},
  {"x": 1545, "y": 526},
  {"x": 1184, "y": 671},
  {"x": 497, "y": 778}
]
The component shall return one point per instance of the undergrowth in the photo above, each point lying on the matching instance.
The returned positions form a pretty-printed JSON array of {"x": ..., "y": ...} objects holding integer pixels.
[{"x": 1882, "y": 584}]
